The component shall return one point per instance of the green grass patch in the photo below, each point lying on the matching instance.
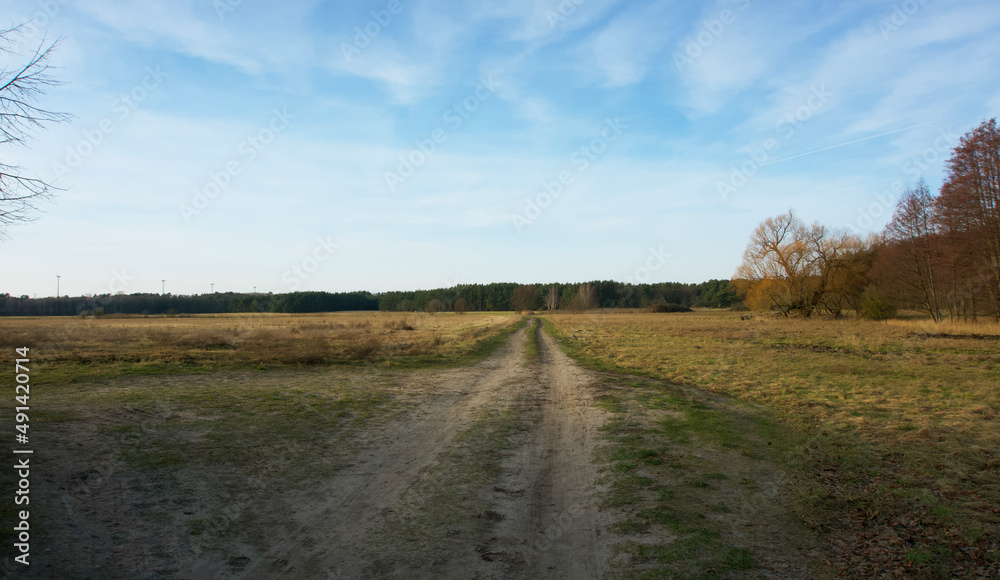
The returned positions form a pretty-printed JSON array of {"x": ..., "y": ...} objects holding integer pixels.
[
  {"x": 739, "y": 559},
  {"x": 660, "y": 484}
]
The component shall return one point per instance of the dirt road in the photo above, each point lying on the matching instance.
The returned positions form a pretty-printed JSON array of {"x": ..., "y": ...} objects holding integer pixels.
[
  {"x": 487, "y": 471},
  {"x": 541, "y": 518}
]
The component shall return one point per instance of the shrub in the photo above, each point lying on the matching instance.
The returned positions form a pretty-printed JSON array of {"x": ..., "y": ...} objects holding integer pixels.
[
  {"x": 398, "y": 324},
  {"x": 364, "y": 349},
  {"x": 668, "y": 308},
  {"x": 875, "y": 306}
]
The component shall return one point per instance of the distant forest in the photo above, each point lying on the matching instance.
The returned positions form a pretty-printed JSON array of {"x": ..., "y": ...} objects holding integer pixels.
[{"x": 466, "y": 297}]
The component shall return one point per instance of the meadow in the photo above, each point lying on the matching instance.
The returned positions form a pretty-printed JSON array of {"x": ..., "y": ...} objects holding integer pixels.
[
  {"x": 884, "y": 436},
  {"x": 132, "y": 417},
  {"x": 891, "y": 431},
  {"x": 83, "y": 348}
]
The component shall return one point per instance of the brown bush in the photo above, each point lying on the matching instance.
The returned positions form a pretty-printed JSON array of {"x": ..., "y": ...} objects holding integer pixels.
[
  {"x": 362, "y": 349},
  {"x": 398, "y": 324},
  {"x": 473, "y": 333},
  {"x": 668, "y": 308},
  {"x": 311, "y": 350}
]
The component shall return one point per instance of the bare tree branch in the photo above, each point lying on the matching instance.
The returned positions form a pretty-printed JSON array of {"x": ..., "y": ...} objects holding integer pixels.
[{"x": 21, "y": 86}]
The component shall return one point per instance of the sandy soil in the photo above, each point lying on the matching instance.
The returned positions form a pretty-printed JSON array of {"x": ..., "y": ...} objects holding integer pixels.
[
  {"x": 548, "y": 491},
  {"x": 547, "y": 483},
  {"x": 542, "y": 521}
]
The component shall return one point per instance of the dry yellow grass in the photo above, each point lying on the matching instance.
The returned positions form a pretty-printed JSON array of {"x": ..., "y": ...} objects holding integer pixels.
[
  {"x": 89, "y": 347},
  {"x": 899, "y": 421},
  {"x": 874, "y": 376}
]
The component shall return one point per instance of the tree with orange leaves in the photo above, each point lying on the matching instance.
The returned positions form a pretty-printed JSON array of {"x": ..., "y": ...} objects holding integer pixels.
[{"x": 791, "y": 267}]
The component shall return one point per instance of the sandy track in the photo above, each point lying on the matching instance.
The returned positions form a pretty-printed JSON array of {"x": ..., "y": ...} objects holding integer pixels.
[
  {"x": 549, "y": 500},
  {"x": 548, "y": 524},
  {"x": 402, "y": 507},
  {"x": 326, "y": 540}
]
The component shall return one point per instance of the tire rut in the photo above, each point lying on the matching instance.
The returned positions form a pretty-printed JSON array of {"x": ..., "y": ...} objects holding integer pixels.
[
  {"x": 544, "y": 521},
  {"x": 554, "y": 528},
  {"x": 324, "y": 542}
]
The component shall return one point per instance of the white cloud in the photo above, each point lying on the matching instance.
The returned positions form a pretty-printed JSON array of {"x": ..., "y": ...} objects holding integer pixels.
[
  {"x": 193, "y": 28},
  {"x": 537, "y": 22},
  {"x": 452, "y": 219},
  {"x": 404, "y": 79},
  {"x": 623, "y": 51}
]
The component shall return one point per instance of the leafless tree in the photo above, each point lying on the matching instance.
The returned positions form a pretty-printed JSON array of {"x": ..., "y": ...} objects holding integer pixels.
[
  {"x": 552, "y": 299},
  {"x": 22, "y": 81},
  {"x": 912, "y": 261},
  {"x": 585, "y": 297},
  {"x": 970, "y": 203}
]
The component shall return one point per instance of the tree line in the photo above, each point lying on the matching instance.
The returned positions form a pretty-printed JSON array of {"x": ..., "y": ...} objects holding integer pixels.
[
  {"x": 940, "y": 253},
  {"x": 560, "y": 296},
  {"x": 215, "y": 303},
  {"x": 462, "y": 298}
]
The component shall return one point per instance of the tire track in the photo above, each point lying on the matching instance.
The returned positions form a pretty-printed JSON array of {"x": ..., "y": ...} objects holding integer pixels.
[
  {"x": 325, "y": 542},
  {"x": 553, "y": 526},
  {"x": 545, "y": 521}
]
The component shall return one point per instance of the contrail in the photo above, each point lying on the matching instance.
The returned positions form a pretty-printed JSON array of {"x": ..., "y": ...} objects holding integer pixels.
[{"x": 848, "y": 143}]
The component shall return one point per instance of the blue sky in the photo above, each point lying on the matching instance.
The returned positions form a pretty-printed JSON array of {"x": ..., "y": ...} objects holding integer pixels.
[{"x": 308, "y": 145}]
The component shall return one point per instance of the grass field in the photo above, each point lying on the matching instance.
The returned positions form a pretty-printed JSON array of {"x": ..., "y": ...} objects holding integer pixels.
[
  {"x": 74, "y": 349},
  {"x": 887, "y": 436},
  {"x": 184, "y": 403},
  {"x": 892, "y": 430}
]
